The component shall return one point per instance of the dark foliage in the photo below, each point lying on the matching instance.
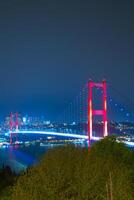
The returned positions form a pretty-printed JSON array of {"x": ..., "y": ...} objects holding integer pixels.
[{"x": 70, "y": 173}]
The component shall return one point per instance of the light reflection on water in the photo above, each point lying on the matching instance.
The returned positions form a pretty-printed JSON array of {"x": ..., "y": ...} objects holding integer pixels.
[{"x": 21, "y": 157}]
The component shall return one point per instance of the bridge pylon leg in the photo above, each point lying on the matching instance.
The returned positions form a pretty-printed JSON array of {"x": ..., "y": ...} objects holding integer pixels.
[{"x": 11, "y": 127}]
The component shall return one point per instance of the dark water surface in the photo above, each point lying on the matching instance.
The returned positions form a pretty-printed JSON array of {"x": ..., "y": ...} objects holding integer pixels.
[{"x": 20, "y": 157}]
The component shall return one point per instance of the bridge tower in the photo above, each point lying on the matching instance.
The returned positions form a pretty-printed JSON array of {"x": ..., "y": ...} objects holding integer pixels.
[
  {"x": 92, "y": 112},
  {"x": 17, "y": 122},
  {"x": 11, "y": 126}
]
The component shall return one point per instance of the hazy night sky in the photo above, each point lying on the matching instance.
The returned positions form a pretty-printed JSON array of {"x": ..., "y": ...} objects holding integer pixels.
[{"x": 50, "y": 48}]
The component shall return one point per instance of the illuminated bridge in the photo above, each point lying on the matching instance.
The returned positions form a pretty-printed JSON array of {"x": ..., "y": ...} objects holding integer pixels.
[
  {"x": 80, "y": 112},
  {"x": 70, "y": 135},
  {"x": 52, "y": 133}
]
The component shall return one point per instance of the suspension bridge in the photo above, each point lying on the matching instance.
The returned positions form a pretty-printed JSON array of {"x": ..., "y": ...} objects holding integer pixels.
[{"x": 80, "y": 115}]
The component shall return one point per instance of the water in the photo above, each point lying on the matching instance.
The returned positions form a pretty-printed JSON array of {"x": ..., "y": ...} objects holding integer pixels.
[{"x": 20, "y": 157}]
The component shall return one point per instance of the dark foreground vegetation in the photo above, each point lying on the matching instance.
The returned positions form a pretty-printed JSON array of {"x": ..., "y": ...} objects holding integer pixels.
[{"x": 69, "y": 173}]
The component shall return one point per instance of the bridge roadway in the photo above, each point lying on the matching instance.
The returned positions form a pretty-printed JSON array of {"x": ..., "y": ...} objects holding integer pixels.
[
  {"x": 71, "y": 135},
  {"x": 79, "y": 136}
]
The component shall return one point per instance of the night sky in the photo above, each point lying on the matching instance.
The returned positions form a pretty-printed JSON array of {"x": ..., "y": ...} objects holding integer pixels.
[{"x": 50, "y": 48}]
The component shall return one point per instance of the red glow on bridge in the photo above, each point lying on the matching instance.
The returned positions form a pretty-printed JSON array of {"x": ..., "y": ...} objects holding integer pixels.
[{"x": 92, "y": 112}]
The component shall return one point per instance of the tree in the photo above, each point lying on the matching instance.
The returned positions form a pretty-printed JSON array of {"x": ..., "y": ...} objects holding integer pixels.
[{"x": 70, "y": 173}]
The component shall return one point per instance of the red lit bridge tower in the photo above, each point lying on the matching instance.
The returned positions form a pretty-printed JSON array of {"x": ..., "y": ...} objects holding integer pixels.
[
  {"x": 12, "y": 124},
  {"x": 92, "y": 112}
]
